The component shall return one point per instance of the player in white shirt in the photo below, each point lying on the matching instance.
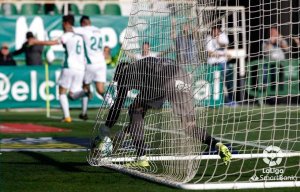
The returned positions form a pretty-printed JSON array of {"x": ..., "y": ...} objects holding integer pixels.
[
  {"x": 216, "y": 45},
  {"x": 96, "y": 65},
  {"x": 72, "y": 74}
]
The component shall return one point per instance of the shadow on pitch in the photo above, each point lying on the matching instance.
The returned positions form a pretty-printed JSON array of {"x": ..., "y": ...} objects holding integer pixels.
[
  {"x": 79, "y": 166},
  {"x": 64, "y": 166}
]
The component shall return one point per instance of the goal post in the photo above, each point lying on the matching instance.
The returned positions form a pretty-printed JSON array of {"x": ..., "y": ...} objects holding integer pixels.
[{"x": 193, "y": 68}]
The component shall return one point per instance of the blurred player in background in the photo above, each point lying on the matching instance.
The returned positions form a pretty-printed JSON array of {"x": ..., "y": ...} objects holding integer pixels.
[
  {"x": 275, "y": 49},
  {"x": 96, "y": 65},
  {"x": 185, "y": 46},
  {"x": 109, "y": 59},
  {"x": 72, "y": 74}
]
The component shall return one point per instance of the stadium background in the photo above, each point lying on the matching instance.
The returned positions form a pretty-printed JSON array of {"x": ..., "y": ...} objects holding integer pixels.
[{"x": 112, "y": 17}]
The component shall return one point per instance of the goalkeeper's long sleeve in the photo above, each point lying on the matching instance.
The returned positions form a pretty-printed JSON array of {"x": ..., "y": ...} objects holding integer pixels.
[{"x": 115, "y": 109}]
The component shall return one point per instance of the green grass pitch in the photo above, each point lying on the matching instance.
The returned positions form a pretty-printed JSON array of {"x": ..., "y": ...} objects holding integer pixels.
[{"x": 69, "y": 171}]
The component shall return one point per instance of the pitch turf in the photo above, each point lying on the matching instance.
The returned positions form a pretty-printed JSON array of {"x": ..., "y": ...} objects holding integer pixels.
[{"x": 68, "y": 171}]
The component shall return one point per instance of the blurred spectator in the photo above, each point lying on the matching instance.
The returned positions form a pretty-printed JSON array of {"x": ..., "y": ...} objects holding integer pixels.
[
  {"x": 185, "y": 44},
  {"x": 145, "y": 52},
  {"x": 297, "y": 41},
  {"x": 275, "y": 47},
  {"x": 50, "y": 8},
  {"x": 33, "y": 53},
  {"x": 72, "y": 9},
  {"x": 7, "y": 9},
  {"x": 110, "y": 61},
  {"x": 116, "y": 57},
  {"x": 216, "y": 45},
  {"x": 296, "y": 47},
  {"x": 274, "y": 50},
  {"x": 5, "y": 56}
]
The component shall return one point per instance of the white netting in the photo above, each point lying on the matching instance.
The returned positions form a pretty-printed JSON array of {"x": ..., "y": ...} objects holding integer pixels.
[{"x": 190, "y": 69}]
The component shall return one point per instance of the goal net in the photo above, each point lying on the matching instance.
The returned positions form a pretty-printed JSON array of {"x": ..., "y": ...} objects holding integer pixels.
[{"x": 195, "y": 72}]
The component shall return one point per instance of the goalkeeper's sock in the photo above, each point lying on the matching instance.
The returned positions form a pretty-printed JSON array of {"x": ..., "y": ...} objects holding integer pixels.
[
  {"x": 141, "y": 161},
  {"x": 64, "y": 105},
  {"x": 85, "y": 101}
]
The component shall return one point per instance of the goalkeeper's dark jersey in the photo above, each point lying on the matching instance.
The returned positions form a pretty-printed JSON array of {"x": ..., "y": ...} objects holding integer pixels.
[{"x": 148, "y": 75}]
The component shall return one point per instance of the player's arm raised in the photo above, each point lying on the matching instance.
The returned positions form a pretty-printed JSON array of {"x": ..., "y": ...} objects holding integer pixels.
[{"x": 49, "y": 43}]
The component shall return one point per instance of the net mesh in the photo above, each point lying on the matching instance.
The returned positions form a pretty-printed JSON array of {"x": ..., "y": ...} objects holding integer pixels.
[{"x": 174, "y": 87}]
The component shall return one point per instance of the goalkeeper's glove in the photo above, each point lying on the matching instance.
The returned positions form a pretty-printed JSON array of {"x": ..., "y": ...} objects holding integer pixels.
[{"x": 224, "y": 153}]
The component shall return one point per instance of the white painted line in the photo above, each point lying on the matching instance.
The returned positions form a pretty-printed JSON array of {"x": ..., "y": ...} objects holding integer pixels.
[
  {"x": 73, "y": 119},
  {"x": 43, "y": 150}
]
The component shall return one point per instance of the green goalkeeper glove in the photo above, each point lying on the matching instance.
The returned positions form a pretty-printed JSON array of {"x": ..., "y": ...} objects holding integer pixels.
[{"x": 224, "y": 153}]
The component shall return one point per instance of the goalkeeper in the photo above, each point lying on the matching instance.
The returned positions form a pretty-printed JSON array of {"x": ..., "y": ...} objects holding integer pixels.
[{"x": 158, "y": 80}]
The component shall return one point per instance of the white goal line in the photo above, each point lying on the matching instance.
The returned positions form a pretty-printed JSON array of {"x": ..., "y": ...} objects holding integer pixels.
[
  {"x": 247, "y": 143},
  {"x": 239, "y": 185},
  {"x": 42, "y": 150},
  {"x": 202, "y": 157}
]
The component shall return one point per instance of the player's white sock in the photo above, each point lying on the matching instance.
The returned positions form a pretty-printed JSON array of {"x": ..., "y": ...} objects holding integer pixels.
[
  {"x": 63, "y": 99},
  {"x": 78, "y": 94},
  {"x": 85, "y": 101}
]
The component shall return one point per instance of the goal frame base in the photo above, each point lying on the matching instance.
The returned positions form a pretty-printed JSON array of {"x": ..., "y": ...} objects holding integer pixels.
[
  {"x": 205, "y": 186},
  {"x": 201, "y": 157}
]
